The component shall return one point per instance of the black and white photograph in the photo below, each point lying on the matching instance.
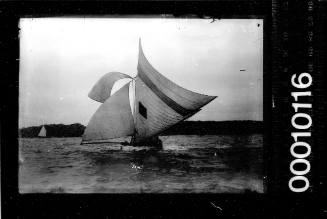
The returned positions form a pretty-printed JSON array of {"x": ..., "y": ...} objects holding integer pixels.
[
  {"x": 163, "y": 109},
  {"x": 140, "y": 105}
]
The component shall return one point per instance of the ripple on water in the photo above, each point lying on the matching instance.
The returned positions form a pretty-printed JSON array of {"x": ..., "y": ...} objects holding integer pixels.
[{"x": 185, "y": 164}]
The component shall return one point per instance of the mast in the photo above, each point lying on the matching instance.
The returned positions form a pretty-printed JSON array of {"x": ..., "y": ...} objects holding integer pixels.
[
  {"x": 134, "y": 110},
  {"x": 134, "y": 103}
]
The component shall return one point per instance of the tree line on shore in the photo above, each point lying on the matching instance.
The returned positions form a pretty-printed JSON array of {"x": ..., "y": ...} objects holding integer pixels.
[
  {"x": 54, "y": 130},
  {"x": 183, "y": 128}
]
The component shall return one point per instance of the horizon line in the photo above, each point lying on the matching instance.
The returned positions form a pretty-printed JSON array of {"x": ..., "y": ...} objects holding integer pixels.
[{"x": 179, "y": 122}]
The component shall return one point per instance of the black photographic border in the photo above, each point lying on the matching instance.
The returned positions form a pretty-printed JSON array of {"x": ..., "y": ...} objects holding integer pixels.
[{"x": 277, "y": 199}]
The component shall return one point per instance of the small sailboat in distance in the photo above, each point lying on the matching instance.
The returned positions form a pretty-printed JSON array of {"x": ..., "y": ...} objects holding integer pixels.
[
  {"x": 143, "y": 108},
  {"x": 42, "y": 133}
]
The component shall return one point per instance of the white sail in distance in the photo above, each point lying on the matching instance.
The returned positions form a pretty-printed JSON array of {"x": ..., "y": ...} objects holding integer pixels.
[
  {"x": 43, "y": 132},
  {"x": 143, "y": 108}
]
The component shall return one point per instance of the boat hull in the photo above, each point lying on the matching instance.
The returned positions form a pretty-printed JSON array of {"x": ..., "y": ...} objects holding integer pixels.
[{"x": 151, "y": 142}]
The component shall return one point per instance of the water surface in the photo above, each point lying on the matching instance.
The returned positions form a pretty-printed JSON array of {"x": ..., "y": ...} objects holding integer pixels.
[{"x": 185, "y": 164}]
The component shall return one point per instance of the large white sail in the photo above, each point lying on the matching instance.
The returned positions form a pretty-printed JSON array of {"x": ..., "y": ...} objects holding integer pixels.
[
  {"x": 113, "y": 119},
  {"x": 43, "y": 132},
  {"x": 159, "y": 102},
  {"x": 152, "y": 114},
  {"x": 102, "y": 89}
]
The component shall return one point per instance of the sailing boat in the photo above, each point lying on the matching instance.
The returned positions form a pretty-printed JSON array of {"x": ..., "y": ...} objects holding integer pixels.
[
  {"x": 156, "y": 105},
  {"x": 42, "y": 133}
]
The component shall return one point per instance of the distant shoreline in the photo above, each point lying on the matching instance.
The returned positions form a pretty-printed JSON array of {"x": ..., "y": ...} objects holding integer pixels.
[{"x": 183, "y": 128}]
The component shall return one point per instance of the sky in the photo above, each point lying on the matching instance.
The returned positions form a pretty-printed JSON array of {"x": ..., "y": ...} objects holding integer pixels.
[{"x": 62, "y": 58}]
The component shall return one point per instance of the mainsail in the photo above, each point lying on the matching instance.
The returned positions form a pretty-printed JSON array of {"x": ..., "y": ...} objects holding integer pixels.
[
  {"x": 158, "y": 104},
  {"x": 43, "y": 132}
]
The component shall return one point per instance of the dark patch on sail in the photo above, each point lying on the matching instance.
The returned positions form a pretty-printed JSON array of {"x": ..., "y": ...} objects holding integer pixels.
[
  {"x": 171, "y": 103},
  {"x": 142, "y": 110}
]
